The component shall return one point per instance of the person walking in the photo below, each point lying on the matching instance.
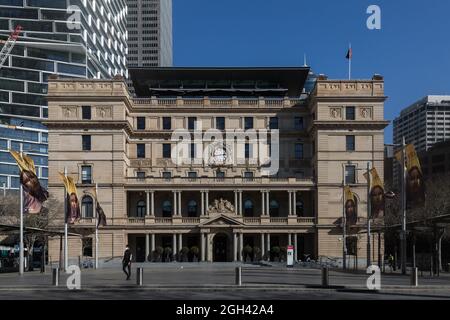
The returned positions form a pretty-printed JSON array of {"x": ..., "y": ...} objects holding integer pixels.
[
  {"x": 126, "y": 262},
  {"x": 391, "y": 262}
]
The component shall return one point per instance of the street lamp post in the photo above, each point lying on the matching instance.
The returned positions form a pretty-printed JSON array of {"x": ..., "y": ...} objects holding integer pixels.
[{"x": 403, "y": 233}]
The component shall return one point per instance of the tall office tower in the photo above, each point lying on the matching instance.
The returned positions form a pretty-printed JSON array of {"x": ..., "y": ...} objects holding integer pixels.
[
  {"x": 71, "y": 38},
  {"x": 424, "y": 123},
  {"x": 150, "y": 33}
]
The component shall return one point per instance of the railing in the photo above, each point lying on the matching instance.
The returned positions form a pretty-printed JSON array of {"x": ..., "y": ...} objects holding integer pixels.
[
  {"x": 306, "y": 220},
  {"x": 136, "y": 220},
  {"x": 279, "y": 220},
  {"x": 87, "y": 221},
  {"x": 159, "y": 220},
  {"x": 190, "y": 220},
  {"x": 252, "y": 220},
  {"x": 213, "y": 101}
]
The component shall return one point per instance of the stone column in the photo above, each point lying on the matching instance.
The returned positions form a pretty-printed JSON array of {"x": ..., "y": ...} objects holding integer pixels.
[
  {"x": 202, "y": 203},
  {"x": 263, "y": 206},
  {"x": 147, "y": 247},
  {"x": 207, "y": 201},
  {"x": 179, "y": 203},
  {"x": 235, "y": 247},
  {"x": 295, "y": 202},
  {"x": 241, "y": 246},
  {"x": 263, "y": 247},
  {"x": 174, "y": 245},
  {"x": 236, "y": 204},
  {"x": 180, "y": 242},
  {"x": 290, "y": 202},
  {"x": 268, "y": 203},
  {"x": 147, "y": 213},
  {"x": 174, "y": 213},
  {"x": 152, "y": 203},
  {"x": 268, "y": 246},
  {"x": 295, "y": 248},
  {"x": 240, "y": 202},
  {"x": 153, "y": 242},
  {"x": 202, "y": 238},
  {"x": 208, "y": 249},
  {"x": 289, "y": 239}
]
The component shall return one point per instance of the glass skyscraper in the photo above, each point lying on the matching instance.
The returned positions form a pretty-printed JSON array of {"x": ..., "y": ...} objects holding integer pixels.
[{"x": 70, "y": 38}]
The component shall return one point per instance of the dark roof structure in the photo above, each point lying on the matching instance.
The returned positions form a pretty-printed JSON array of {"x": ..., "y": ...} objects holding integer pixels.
[{"x": 219, "y": 81}]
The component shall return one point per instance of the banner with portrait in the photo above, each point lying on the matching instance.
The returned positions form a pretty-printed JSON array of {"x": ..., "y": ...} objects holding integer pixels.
[
  {"x": 350, "y": 207},
  {"x": 34, "y": 195},
  {"x": 376, "y": 194},
  {"x": 101, "y": 216},
  {"x": 73, "y": 212},
  {"x": 415, "y": 186}
]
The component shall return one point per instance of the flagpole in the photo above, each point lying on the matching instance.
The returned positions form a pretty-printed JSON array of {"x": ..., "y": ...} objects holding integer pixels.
[
  {"x": 344, "y": 223},
  {"x": 403, "y": 233},
  {"x": 66, "y": 245},
  {"x": 350, "y": 63},
  {"x": 369, "y": 214},
  {"x": 96, "y": 228},
  {"x": 21, "y": 249}
]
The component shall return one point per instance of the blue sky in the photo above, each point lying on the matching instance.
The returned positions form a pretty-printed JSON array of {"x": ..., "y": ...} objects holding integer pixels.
[{"x": 412, "y": 49}]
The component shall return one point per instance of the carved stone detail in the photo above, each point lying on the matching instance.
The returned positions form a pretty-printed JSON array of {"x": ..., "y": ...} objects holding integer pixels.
[
  {"x": 221, "y": 206},
  {"x": 336, "y": 112},
  {"x": 104, "y": 112},
  {"x": 70, "y": 112},
  {"x": 365, "y": 112}
]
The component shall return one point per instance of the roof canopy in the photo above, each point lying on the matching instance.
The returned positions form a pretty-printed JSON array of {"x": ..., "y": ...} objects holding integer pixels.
[{"x": 186, "y": 81}]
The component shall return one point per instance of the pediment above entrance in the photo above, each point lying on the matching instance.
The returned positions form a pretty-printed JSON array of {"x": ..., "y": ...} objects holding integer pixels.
[{"x": 221, "y": 220}]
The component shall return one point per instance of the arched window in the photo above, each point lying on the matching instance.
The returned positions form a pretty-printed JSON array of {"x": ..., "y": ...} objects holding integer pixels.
[
  {"x": 167, "y": 208},
  {"x": 248, "y": 208},
  {"x": 299, "y": 207},
  {"x": 87, "y": 207},
  {"x": 274, "y": 208},
  {"x": 192, "y": 208},
  {"x": 141, "y": 208}
]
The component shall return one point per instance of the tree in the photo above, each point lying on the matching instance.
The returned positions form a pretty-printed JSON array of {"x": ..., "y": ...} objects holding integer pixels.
[{"x": 10, "y": 215}]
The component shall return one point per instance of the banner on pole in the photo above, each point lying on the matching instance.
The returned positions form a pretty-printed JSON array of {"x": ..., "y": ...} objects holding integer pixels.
[
  {"x": 73, "y": 205},
  {"x": 101, "y": 216},
  {"x": 34, "y": 194},
  {"x": 415, "y": 186},
  {"x": 377, "y": 199},
  {"x": 350, "y": 206}
]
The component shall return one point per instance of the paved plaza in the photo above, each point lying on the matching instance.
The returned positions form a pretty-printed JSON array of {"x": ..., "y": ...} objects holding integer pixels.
[{"x": 217, "y": 281}]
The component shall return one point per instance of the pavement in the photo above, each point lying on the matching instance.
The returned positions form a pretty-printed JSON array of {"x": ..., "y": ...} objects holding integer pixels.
[{"x": 206, "y": 281}]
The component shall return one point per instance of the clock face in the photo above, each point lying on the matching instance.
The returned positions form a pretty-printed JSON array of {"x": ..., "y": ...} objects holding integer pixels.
[{"x": 219, "y": 155}]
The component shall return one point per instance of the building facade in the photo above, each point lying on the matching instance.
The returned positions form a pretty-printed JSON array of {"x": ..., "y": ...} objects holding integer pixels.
[
  {"x": 149, "y": 25},
  {"x": 126, "y": 147},
  {"x": 70, "y": 38}
]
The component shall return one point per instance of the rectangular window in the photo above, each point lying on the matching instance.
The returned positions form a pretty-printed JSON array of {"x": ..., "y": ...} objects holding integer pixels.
[
  {"x": 248, "y": 175},
  {"x": 192, "y": 174},
  {"x": 140, "y": 148},
  {"x": 192, "y": 150},
  {"x": 140, "y": 175},
  {"x": 191, "y": 123},
  {"x": 220, "y": 123},
  {"x": 86, "y": 112},
  {"x": 141, "y": 123},
  {"x": 167, "y": 151},
  {"x": 86, "y": 142},
  {"x": 86, "y": 174},
  {"x": 350, "y": 143},
  {"x": 248, "y": 123},
  {"x": 350, "y": 177},
  {"x": 350, "y": 113},
  {"x": 167, "y": 175},
  {"x": 167, "y": 123},
  {"x": 298, "y": 123},
  {"x": 299, "y": 151},
  {"x": 273, "y": 123},
  {"x": 220, "y": 174},
  {"x": 247, "y": 151}
]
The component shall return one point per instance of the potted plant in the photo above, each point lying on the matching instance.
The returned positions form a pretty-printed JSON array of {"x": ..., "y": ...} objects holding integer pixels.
[
  {"x": 276, "y": 253},
  {"x": 283, "y": 251},
  {"x": 184, "y": 254},
  {"x": 257, "y": 254},
  {"x": 247, "y": 252},
  {"x": 158, "y": 254},
  {"x": 168, "y": 254},
  {"x": 194, "y": 251}
]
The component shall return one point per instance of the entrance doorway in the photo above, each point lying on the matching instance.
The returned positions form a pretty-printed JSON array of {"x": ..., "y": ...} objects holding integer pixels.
[
  {"x": 220, "y": 248},
  {"x": 140, "y": 249}
]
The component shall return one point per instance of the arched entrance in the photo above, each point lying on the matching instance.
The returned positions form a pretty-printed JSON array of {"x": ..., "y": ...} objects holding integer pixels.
[{"x": 220, "y": 247}]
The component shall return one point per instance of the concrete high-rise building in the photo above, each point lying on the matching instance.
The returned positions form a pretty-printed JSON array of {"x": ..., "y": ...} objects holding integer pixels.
[
  {"x": 424, "y": 123},
  {"x": 70, "y": 38},
  {"x": 149, "y": 24}
]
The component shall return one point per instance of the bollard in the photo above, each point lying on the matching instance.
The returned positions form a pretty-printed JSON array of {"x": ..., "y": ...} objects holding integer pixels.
[
  {"x": 325, "y": 277},
  {"x": 238, "y": 276},
  {"x": 139, "y": 276},
  {"x": 415, "y": 277},
  {"x": 55, "y": 276}
]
